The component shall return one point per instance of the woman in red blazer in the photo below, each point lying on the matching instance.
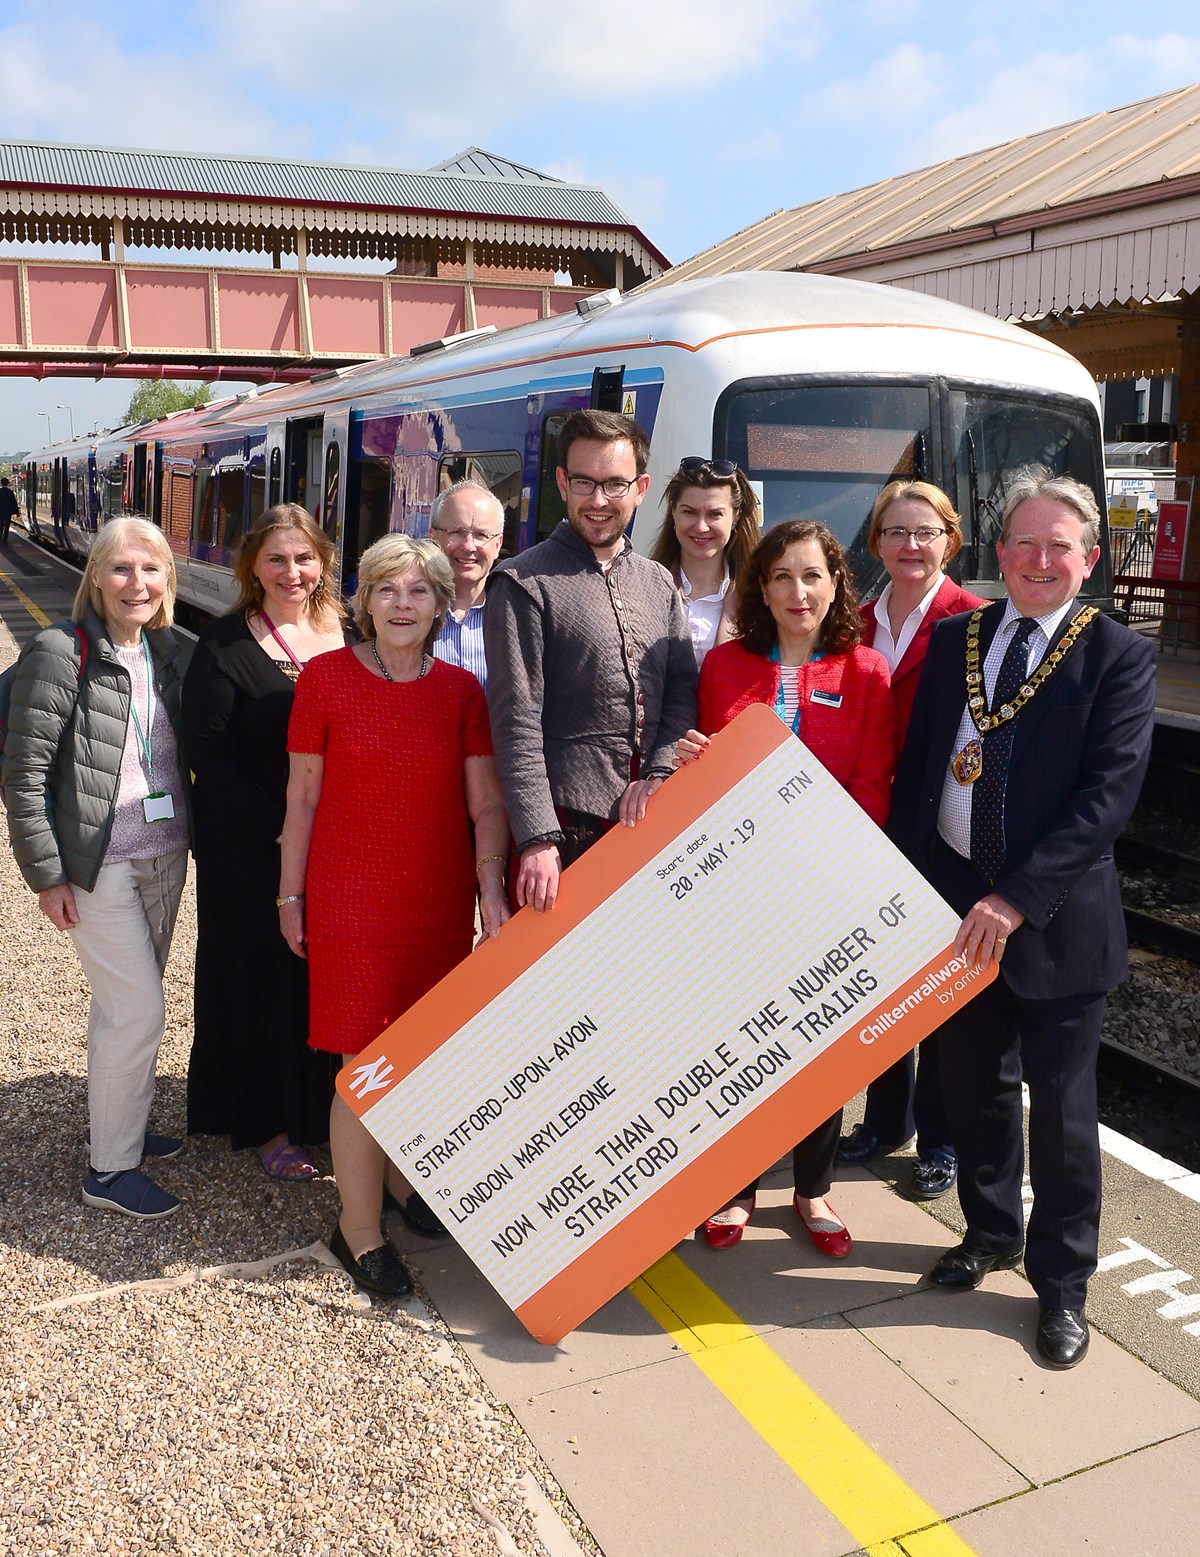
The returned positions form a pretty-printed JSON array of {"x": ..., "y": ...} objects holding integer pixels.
[
  {"x": 798, "y": 651},
  {"x": 914, "y": 532}
]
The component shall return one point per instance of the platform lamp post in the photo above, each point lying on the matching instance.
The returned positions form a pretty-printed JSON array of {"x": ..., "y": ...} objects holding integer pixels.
[
  {"x": 71, "y": 414},
  {"x": 49, "y": 427}
]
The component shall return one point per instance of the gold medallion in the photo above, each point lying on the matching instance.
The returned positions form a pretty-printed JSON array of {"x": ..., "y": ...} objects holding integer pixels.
[{"x": 968, "y": 764}]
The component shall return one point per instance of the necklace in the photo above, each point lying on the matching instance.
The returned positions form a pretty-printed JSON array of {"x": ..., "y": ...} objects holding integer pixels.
[
  {"x": 967, "y": 764},
  {"x": 426, "y": 664}
]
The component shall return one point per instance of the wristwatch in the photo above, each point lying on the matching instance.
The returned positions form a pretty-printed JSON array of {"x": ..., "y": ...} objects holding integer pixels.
[{"x": 296, "y": 897}]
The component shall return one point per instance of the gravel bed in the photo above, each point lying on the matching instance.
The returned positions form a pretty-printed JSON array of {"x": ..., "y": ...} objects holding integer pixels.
[
  {"x": 1161, "y": 827},
  {"x": 1175, "y": 899},
  {"x": 1156, "y": 1012},
  {"x": 270, "y": 1409}
]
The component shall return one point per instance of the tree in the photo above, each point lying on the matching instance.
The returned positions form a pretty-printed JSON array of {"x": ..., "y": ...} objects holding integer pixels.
[{"x": 155, "y": 397}]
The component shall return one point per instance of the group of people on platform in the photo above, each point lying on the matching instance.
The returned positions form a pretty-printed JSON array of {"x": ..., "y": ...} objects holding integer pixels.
[{"x": 357, "y": 785}]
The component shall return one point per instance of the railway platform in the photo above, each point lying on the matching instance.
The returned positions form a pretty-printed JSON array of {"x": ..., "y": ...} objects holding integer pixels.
[{"x": 756, "y": 1402}]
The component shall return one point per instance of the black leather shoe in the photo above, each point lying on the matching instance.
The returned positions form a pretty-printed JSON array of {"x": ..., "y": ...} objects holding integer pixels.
[
  {"x": 1062, "y": 1336},
  {"x": 416, "y": 1214},
  {"x": 378, "y": 1270},
  {"x": 963, "y": 1268}
]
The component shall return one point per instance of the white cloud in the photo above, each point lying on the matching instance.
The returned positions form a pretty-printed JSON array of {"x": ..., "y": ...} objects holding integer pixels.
[
  {"x": 765, "y": 147},
  {"x": 896, "y": 88},
  {"x": 1050, "y": 88},
  {"x": 1173, "y": 60},
  {"x": 460, "y": 71},
  {"x": 78, "y": 84}
]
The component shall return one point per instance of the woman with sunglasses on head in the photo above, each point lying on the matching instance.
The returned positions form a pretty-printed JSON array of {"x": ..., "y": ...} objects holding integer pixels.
[
  {"x": 799, "y": 651},
  {"x": 712, "y": 526},
  {"x": 914, "y": 532}
]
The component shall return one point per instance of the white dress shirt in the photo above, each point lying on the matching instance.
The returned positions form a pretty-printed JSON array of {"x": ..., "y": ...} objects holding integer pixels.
[
  {"x": 894, "y": 649},
  {"x": 954, "y": 815},
  {"x": 703, "y": 614}
]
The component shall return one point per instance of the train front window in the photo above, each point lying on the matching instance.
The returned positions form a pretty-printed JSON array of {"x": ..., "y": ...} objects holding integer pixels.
[
  {"x": 823, "y": 451},
  {"x": 995, "y": 435}
]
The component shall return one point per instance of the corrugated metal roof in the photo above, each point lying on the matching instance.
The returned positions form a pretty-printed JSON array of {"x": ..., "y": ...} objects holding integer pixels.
[
  {"x": 1146, "y": 144},
  {"x": 484, "y": 190},
  {"x": 476, "y": 162}
]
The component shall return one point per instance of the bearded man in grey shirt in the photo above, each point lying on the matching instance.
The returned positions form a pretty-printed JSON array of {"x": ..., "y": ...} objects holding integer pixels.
[{"x": 592, "y": 678}]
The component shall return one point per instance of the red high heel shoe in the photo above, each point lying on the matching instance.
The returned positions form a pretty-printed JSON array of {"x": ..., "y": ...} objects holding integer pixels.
[
  {"x": 725, "y": 1227},
  {"x": 828, "y": 1238}
]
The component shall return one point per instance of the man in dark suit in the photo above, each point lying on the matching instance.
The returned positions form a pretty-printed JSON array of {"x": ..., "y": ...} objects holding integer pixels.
[{"x": 1024, "y": 758}]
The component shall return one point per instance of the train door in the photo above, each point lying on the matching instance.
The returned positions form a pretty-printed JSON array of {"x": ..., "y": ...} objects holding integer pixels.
[
  {"x": 302, "y": 464},
  {"x": 335, "y": 455},
  {"x": 273, "y": 460},
  {"x": 137, "y": 497}
]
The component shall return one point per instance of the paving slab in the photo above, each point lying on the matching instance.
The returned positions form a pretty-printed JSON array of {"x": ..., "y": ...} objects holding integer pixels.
[
  {"x": 1145, "y": 1505},
  {"x": 938, "y": 1455},
  {"x": 973, "y": 1353},
  {"x": 656, "y": 1461}
]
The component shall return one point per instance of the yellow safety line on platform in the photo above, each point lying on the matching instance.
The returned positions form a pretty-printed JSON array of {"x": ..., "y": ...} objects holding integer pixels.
[
  {"x": 31, "y": 606},
  {"x": 858, "y": 1488}
]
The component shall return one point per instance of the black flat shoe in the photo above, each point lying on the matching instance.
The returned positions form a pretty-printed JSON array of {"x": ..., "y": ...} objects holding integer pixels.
[
  {"x": 378, "y": 1270},
  {"x": 416, "y": 1214},
  {"x": 1062, "y": 1336},
  {"x": 962, "y": 1269}
]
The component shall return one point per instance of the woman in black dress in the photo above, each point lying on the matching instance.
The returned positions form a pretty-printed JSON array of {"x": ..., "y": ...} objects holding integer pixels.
[{"x": 252, "y": 1075}]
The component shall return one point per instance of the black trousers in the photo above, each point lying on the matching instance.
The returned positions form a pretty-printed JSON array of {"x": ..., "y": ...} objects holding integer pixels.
[
  {"x": 984, "y": 1051},
  {"x": 812, "y": 1161},
  {"x": 907, "y": 1100}
]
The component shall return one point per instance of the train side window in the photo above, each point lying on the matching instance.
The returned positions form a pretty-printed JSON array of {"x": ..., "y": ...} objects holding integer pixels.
[
  {"x": 500, "y": 473},
  {"x": 231, "y": 504},
  {"x": 550, "y": 506},
  {"x": 275, "y": 487},
  {"x": 202, "y": 507},
  {"x": 374, "y": 506},
  {"x": 258, "y": 492},
  {"x": 329, "y": 499}
]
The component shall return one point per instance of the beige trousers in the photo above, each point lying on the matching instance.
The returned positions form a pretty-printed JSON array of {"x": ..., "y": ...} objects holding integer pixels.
[{"x": 122, "y": 939}]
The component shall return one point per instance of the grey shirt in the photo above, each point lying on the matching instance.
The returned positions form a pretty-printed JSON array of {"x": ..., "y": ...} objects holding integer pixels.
[{"x": 586, "y": 669}]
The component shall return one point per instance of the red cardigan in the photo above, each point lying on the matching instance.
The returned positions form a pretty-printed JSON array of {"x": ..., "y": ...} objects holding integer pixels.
[
  {"x": 854, "y": 741},
  {"x": 949, "y": 600}
]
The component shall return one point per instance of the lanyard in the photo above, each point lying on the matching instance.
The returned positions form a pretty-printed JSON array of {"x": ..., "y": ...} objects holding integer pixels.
[
  {"x": 144, "y": 736},
  {"x": 278, "y": 637},
  {"x": 780, "y": 705}
]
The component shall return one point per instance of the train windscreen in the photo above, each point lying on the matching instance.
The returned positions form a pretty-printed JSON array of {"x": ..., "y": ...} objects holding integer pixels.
[
  {"x": 994, "y": 435},
  {"x": 824, "y": 451}
]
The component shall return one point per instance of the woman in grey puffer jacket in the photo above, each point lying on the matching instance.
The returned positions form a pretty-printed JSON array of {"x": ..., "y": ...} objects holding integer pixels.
[{"x": 97, "y": 814}]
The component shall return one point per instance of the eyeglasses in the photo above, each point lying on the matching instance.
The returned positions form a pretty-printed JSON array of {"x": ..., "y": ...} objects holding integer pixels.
[
  {"x": 897, "y": 534},
  {"x": 697, "y": 465},
  {"x": 462, "y": 537},
  {"x": 615, "y": 486}
]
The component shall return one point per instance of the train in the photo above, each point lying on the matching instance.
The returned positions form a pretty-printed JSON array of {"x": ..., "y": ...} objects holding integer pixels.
[{"x": 822, "y": 389}]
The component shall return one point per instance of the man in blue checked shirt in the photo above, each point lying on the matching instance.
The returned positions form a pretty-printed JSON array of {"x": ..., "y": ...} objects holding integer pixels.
[{"x": 467, "y": 522}]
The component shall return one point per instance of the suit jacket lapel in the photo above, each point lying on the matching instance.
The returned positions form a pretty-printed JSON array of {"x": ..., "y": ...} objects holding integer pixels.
[{"x": 1053, "y": 689}]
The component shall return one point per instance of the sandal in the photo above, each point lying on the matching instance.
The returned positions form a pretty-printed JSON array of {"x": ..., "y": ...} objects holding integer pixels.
[{"x": 288, "y": 1163}]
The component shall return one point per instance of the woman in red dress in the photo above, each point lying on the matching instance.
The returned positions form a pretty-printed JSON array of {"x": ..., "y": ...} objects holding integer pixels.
[
  {"x": 914, "y": 532},
  {"x": 395, "y": 820},
  {"x": 798, "y": 651}
]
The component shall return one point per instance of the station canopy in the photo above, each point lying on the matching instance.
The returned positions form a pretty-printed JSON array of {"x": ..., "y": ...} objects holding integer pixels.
[
  {"x": 514, "y": 217},
  {"x": 1088, "y": 234}
]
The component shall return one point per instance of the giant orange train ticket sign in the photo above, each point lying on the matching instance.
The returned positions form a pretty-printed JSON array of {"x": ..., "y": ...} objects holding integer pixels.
[{"x": 584, "y": 1090}]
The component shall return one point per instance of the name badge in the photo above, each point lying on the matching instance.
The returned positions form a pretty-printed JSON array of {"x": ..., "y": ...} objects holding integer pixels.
[
  {"x": 829, "y": 699},
  {"x": 158, "y": 808}
]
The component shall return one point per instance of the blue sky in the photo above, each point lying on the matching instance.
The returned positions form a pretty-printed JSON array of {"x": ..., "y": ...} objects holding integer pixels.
[{"x": 699, "y": 117}]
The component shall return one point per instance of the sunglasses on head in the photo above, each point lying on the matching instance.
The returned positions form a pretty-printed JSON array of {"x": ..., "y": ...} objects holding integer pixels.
[{"x": 697, "y": 465}]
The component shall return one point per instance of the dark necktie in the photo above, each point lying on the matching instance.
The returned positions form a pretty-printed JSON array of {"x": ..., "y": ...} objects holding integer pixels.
[{"x": 988, "y": 848}]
